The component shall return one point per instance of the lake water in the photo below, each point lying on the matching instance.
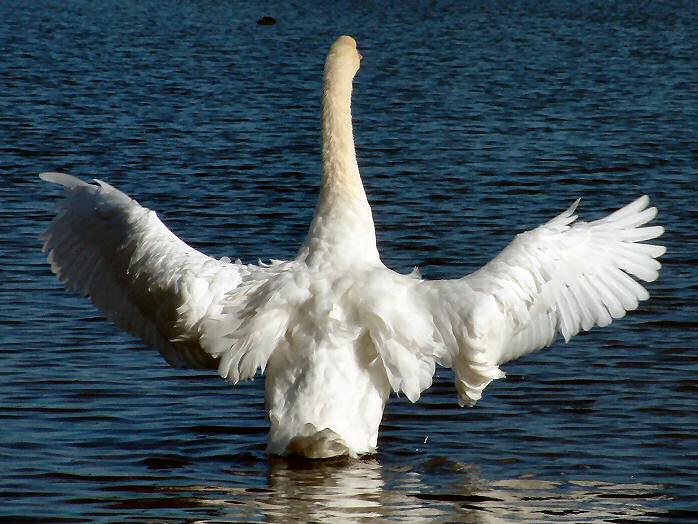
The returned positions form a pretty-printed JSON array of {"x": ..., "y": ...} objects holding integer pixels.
[{"x": 473, "y": 121}]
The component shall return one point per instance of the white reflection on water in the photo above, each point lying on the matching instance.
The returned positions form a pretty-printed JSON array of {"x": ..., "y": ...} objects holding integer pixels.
[{"x": 363, "y": 491}]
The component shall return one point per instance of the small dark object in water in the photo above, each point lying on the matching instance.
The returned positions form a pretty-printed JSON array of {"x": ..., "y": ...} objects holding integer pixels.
[{"x": 266, "y": 20}]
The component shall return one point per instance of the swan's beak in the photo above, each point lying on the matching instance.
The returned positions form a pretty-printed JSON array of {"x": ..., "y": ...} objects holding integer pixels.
[{"x": 361, "y": 57}]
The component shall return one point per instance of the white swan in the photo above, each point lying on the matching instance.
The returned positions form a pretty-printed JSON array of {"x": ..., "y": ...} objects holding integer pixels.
[{"x": 335, "y": 330}]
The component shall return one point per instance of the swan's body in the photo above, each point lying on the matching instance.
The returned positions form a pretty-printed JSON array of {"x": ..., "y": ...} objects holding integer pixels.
[{"x": 335, "y": 330}]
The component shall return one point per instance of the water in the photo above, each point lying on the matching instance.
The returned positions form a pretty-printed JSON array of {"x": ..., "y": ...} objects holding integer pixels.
[{"x": 473, "y": 121}]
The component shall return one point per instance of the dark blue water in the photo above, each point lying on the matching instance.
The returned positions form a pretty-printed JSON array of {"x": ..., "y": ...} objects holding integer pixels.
[{"x": 473, "y": 121}]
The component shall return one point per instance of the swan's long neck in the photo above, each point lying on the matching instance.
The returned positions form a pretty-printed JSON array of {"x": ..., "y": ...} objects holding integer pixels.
[
  {"x": 340, "y": 171},
  {"x": 342, "y": 229}
]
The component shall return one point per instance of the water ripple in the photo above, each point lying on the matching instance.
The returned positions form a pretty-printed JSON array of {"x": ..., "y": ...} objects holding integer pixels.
[{"x": 473, "y": 122}]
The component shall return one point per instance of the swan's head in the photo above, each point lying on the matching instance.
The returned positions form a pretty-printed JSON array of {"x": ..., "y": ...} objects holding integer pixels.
[{"x": 344, "y": 58}]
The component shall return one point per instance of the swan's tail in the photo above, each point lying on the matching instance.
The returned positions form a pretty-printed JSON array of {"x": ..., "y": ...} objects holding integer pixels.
[{"x": 318, "y": 445}]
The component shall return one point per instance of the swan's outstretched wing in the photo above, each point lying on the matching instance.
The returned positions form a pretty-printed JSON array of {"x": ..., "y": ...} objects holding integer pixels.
[
  {"x": 104, "y": 244},
  {"x": 563, "y": 276}
]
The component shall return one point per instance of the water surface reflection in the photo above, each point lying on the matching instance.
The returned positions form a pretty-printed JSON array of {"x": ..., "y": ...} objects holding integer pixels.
[{"x": 438, "y": 490}]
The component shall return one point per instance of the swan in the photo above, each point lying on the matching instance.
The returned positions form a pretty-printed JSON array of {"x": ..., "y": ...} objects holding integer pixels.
[{"x": 335, "y": 331}]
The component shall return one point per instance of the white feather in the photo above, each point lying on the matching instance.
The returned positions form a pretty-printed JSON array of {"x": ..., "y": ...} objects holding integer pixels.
[{"x": 587, "y": 281}]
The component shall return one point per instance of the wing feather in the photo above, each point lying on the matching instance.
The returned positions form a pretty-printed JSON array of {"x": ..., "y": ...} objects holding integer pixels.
[
  {"x": 105, "y": 245},
  {"x": 564, "y": 277}
]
